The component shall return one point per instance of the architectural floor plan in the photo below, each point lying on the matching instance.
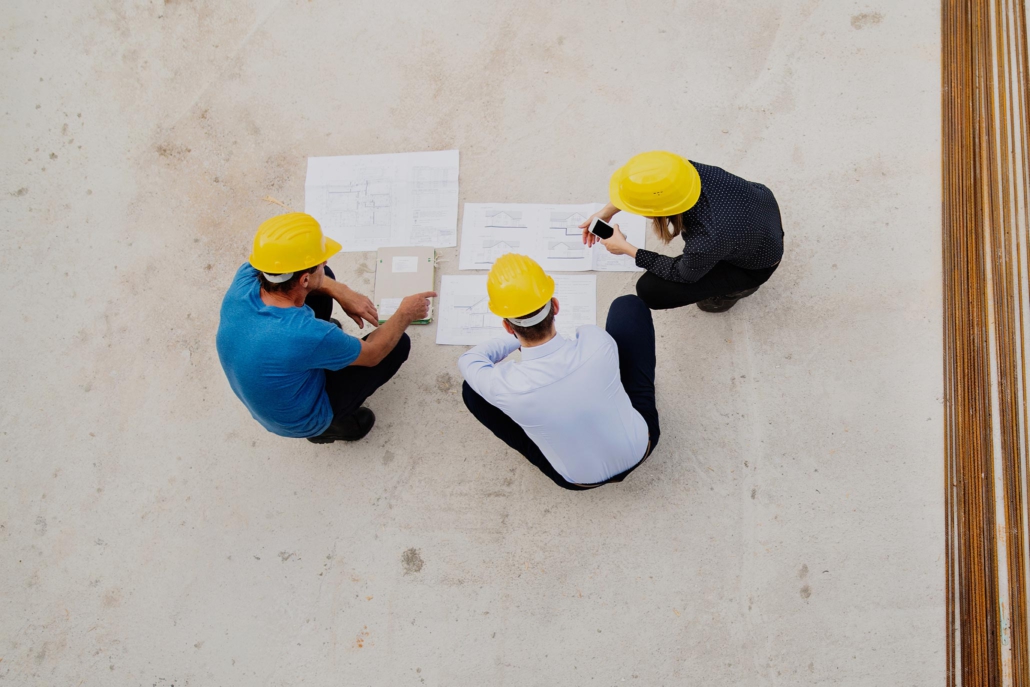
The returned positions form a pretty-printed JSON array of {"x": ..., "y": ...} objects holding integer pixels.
[
  {"x": 549, "y": 234},
  {"x": 465, "y": 320},
  {"x": 367, "y": 202}
]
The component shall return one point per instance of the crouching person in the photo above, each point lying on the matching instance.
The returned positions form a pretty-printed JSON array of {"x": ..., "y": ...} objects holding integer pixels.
[
  {"x": 292, "y": 365},
  {"x": 582, "y": 410}
]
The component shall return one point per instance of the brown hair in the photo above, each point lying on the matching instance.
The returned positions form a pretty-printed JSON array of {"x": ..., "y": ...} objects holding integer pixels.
[
  {"x": 539, "y": 330},
  {"x": 667, "y": 228}
]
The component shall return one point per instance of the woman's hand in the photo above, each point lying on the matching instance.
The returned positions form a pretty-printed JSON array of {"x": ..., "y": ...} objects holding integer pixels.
[
  {"x": 606, "y": 213},
  {"x": 618, "y": 245}
]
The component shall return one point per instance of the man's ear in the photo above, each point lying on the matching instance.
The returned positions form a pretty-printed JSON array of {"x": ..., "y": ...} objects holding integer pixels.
[
  {"x": 554, "y": 305},
  {"x": 507, "y": 327}
]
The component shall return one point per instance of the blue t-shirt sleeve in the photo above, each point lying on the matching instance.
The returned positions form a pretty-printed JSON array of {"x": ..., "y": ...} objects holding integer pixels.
[{"x": 336, "y": 351}]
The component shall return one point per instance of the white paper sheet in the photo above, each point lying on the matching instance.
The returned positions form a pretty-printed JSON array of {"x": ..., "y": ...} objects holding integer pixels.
[
  {"x": 387, "y": 307},
  {"x": 465, "y": 320},
  {"x": 398, "y": 199},
  {"x": 404, "y": 263},
  {"x": 549, "y": 234}
]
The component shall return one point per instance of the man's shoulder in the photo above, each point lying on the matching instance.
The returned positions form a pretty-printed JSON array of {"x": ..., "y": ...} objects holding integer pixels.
[
  {"x": 245, "y": 274},
  {"x": 591, "y": 338},
  {"x": 592, "y": 332}
]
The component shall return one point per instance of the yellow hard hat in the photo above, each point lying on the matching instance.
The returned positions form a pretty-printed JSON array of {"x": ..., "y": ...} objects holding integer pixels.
[
  {"x": 517, "y": 286},
  {"x": 655, "y": 184},
  {"x": 290, "y": 243}
]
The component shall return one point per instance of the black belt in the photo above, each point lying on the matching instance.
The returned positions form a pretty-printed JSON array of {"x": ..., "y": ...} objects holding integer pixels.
[{"x": 622, "y": 475}]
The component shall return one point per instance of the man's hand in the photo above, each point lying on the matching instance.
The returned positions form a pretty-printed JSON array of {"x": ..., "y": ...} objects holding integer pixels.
[
  {"x": 415, "y": 307},
  {"x": 606, "y": 213},
  {"x": 357, "y": 306},
  {"x": 618, "y": 245}
]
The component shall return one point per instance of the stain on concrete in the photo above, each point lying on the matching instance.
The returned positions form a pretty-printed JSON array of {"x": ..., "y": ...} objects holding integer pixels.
[
  {"x": 754, "y": 493},
  {"x": 286, "y": 555},
  {"x": 803, "y": 572},
  {"x": 444, "y": 382},
  {"x": 865, "y": 20},
  {"x": 412, "y": 561},
  {"x": 20, "y": 192},
  {"x": 388, "y": 457},
  {"x": 112, "y": 599},
  {"x": 40, "y": 525},
  {"x": 172, "y": 151},
  {"x": 806, "y": 592}
]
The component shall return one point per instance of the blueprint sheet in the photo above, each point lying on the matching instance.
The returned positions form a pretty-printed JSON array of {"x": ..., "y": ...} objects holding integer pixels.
[
  {"x": 465, "y": 320},
  {"x": 367, "y": 202},
  {"x": 549, "y": 234}
]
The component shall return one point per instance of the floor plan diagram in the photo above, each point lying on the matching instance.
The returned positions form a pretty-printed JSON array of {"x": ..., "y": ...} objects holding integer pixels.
[
  {"x": 465, "y": 318},
  {"x": 369, "y": 201},
  {"x": 550, "y": 234}
]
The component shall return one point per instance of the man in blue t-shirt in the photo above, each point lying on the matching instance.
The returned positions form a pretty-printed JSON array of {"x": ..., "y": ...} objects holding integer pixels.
[{"x": 293, "y": 367}]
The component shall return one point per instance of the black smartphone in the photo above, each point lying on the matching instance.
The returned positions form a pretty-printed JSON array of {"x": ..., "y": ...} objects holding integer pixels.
[{"x": 601, "y": 229}]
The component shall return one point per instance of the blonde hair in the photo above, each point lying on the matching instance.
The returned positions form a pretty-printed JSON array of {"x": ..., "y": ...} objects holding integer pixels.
[{"x": 667, "y": 228}]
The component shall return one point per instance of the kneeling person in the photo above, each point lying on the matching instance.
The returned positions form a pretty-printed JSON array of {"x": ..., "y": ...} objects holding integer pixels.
[
  {"x": 582, "y": 409},
  {"x": 293, "y": 367}
]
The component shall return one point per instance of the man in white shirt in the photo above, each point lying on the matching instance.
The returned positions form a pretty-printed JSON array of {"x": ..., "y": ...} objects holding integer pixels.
[{"x": 581, "y": 409}]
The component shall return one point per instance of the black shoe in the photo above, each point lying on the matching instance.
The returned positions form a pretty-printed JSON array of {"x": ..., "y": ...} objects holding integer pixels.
[
  {"x": 724, "y": 303},
  {"x": 336, "y": 322},
  {"x": 350, "y": 428}
]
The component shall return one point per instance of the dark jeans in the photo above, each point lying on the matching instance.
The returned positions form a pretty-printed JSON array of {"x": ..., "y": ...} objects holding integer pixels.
[
  {"x": 721, "y": 280},
  {"x": 348, "y": 388},
  {"x": 630, "y": 324}
]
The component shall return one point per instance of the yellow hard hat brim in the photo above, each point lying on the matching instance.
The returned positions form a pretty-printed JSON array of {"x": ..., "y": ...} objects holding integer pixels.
[
  {"x": 687, "y": 200},
  {"x": 331, "y": 248}
]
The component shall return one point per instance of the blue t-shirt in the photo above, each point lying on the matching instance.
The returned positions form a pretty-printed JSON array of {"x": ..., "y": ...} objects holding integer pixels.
[{"x": 276, "y": 358}]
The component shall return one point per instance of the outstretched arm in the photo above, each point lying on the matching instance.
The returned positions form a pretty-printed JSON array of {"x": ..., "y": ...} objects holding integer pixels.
[{"x": 379, "y": 343}]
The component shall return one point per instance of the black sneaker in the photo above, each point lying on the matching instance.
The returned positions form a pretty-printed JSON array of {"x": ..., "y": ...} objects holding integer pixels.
[
  {"x": 724, "y": 303},
  {"x": 350, "y": 428}
]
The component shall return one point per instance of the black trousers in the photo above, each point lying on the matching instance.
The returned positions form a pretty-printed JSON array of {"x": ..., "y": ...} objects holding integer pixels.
[
  {"x": 348, "y": 388},
  {"x": 630, "y": 324},
  {"x": 721, "y": 280}
]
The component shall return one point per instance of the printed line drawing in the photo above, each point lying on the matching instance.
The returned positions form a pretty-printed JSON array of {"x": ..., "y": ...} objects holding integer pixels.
[
  {"x": 568, "y": 222},
  {"x": 508, "y": 219},
  {"x": 493, "y": 249},
  {"x": 549, "y": 234},
  {"x": 364, "y": 205},
  {"x": 367, "y": 202},
  {"x": 475, "y": 315},
  {"x": 465, "y": 318},
  {"x": 565, "y": 250}
]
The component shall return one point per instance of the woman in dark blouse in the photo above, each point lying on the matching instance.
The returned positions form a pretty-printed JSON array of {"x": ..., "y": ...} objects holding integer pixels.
[{"x": 731, "y": 230}]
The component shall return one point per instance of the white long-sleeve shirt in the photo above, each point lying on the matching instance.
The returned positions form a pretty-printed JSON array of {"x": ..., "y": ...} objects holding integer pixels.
[{"x": 568, "y": 397}]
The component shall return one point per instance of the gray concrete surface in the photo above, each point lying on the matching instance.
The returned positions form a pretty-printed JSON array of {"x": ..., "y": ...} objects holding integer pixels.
[{"x": 789, "y": 529}]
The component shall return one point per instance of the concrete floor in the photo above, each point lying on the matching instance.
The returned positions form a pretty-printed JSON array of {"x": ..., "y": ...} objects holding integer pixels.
[{"x": 789, "y": 529}]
